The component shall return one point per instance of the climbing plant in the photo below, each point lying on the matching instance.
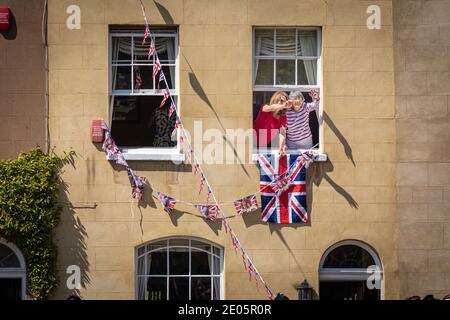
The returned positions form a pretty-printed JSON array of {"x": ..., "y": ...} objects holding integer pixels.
[{"x": 29, "y": 213}]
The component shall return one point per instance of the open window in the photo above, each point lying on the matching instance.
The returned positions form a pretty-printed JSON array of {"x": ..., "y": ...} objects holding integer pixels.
[
  {"x": 137, "y": 122},
  {"x": 287, "y": 62}
]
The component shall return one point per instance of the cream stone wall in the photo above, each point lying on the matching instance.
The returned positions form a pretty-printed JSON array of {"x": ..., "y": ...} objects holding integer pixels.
[
  {"x": 22, "y": 79},
  {"x": 422, "y": 39},
  {"x": 353, "y": 195}
]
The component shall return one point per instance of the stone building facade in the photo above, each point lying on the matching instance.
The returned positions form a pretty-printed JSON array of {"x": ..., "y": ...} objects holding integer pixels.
[{"x": 382, "y": 183}]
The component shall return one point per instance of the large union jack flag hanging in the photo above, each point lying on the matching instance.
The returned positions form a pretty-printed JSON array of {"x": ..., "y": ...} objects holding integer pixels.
[{"x": 283, "y": 188}]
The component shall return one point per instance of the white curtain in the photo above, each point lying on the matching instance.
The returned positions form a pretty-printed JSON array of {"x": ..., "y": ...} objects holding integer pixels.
[
  {"x": 214, "y": 267},
  {"x": 162, "y": 45},
  {"x": 264, "y": 46},
  {"x": 307, "y": 47}
]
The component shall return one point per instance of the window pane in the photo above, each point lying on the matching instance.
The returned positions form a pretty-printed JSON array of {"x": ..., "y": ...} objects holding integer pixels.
[
  {"x": 285, "y": 72},
  {"x": 156, "y": 288},
  {"x": 179, "y": 288},
  {"x": 216, "y": 288},
  {"x": 8, "y": 258},
  {"x": 143, "y": 79},
  {"x": 285, "y": 42},
  {"x": 264, "y": 72},
  {"x": 140, "y": 51},
  {"x": 166, "y": 49},
  {"x": 169, "y": 73},
  {"x": 307, "y": 43},
  {"x": 264, "y": 43},
  {"x": 307, "y": 72},
  {"x": 200, "y": 263},
  {"x": 216, "y": 265},
  {"x": 179, "y": 242},
  {"x": 138, "y": 121},
  {"x": 157, "y": 262},
  {"x": 201, "y": 288},
  {"x": 179, "y": 261},
  {"x": 348, "y": 256},
  {"x": 121, "y": 50},
  {"x": 121, "y": 78}
]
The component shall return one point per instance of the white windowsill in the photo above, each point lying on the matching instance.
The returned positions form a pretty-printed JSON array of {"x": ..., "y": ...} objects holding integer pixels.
[
  {"x": 319, "y": 157},
  {"x": 153, "y": 154}
]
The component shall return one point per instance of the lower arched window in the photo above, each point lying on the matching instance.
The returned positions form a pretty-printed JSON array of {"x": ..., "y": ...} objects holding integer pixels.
[
  {"x": 350, "y": 270},
  {"x": 179, "y": 269},
  {"x": 12, "y": 272}
]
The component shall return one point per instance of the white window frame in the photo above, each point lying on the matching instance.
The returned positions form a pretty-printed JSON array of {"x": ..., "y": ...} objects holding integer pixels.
[
  {"x": 303, "y": 88},
  {"x": 15, "y": 273},
  {"x": 190, "y": 275},
  {"x": 147, "y": 153},
  {"x": 349, "y": 274}
]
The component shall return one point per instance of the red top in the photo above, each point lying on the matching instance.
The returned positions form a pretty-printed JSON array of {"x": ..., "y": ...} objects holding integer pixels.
[{"x": 267, "y": 127}]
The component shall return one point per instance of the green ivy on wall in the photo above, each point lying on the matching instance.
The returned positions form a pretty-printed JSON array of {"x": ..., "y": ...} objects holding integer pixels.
[{"x": 29, "y": 213}]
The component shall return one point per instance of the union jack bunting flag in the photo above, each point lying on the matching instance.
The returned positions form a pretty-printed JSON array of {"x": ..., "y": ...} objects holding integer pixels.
[
  {"x": 147, "y": 32},
  {"x": 151, "y": 50},
  {"x": 208, "y": 195},
  {"x": 202, "y": 183},
  {"x": 283, "y": 188},
  {"x": 246, "y": 204},
  {"x": 208, "y": 212},
  {"x": 171, "y": 109},
  {"x": 137, "y": 184},
  {"x": 137, "y": 78},
  {"x": 161, "y": 78},
  {"x": 234, "y": 242},
  {"x": 111, "y": 149},
  {"x": 196, "y": 167},
  {"x": 167, "y": 202},
  {"x": 175, "y": 130},
  {"x": 156, "y": 68},
  {"x": 165, "y": 97}
]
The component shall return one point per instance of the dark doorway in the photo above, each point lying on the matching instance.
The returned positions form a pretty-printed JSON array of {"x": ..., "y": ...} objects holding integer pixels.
[{"x": 10, "y": 289}]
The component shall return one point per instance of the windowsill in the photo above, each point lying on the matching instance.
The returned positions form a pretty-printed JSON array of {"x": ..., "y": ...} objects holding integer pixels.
[
  {"x": 319, "y": 157},
  {"x": 153, "y": 154}
]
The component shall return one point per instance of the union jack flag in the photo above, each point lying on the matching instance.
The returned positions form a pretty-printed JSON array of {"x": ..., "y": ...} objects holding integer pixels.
[
  {"x": 137, "y": 184},
  {"x": 246, "y": 204},
  {"x": 151, "y": 50},
  {"x": 234, "y": 242},
  {"x": 177, "y": 126},
  {"x": 167, "y": 202},
  {"x": 283, "y": 188},
  {"x": 111, "y": 149},
  {"x": 161, "y": 78},
  {"x": 166, "y": 96},
  {"x": 156, "y": 68},
  {"x": 196, "y": 167},
  {"x": 208, "y": 212}
]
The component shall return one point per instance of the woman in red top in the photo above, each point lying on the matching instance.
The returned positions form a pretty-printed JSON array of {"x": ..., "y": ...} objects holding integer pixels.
[{"x": 271, "y": 120}]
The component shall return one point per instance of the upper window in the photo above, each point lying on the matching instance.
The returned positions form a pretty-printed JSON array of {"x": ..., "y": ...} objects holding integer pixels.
[
  {"x": 137, "y": 121},
  {"x": 286, "y": 68},
  {"x": 179, "y": 269}
]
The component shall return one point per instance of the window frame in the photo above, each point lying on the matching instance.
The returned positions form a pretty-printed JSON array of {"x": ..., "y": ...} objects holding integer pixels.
[
  {"x": 146, "y": 153},
  {"x": 350, "y": 274},
  {"x": 167, "y": 247},
  {"x": 16, "y": 273},
  {"x": 303, "y": 88}
]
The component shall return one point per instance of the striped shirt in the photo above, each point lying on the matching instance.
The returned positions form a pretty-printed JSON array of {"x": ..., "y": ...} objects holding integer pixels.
[{"x": 298, "y": 122}]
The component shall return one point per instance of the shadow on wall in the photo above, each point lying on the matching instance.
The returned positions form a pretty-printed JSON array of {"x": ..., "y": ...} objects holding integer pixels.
[
  {"x": 72, "y": 248},
  {"x": 10, "y": 34},
  {"x": 165, "y": 14}
]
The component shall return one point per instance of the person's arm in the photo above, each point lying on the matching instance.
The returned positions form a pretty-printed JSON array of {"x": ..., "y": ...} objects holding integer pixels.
[
  {"x": 314, "y": 105},
  {"x": 273, "y": 107},
  {"x": 282, "y": 149}
]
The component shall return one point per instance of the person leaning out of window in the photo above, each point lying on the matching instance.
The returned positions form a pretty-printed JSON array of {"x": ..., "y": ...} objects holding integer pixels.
[
  {"x": 271, "y": 120},
  {"x": 298, "y": 132}
]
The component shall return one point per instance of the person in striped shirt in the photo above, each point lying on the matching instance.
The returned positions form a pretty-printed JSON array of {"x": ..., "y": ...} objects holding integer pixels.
[{"x": 298, "y": 133}]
